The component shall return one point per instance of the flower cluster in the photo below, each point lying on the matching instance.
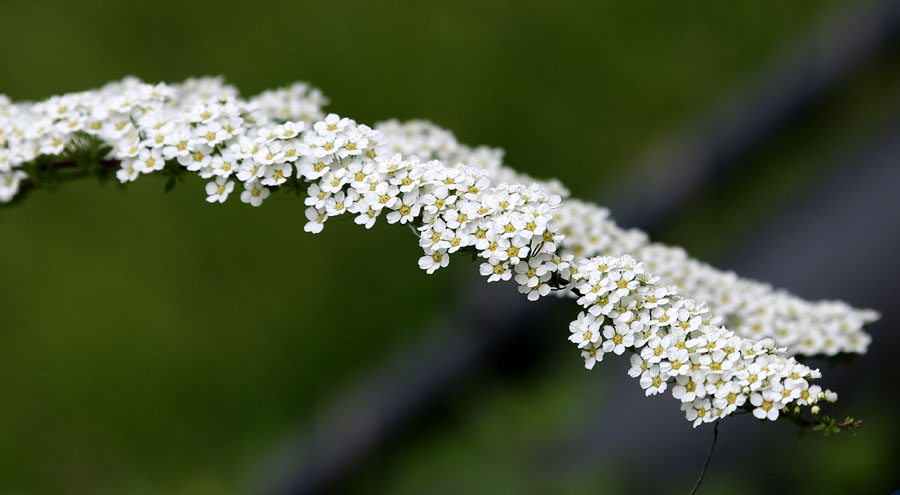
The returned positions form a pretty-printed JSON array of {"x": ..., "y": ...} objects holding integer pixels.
[
  {"x": 452, "y": 208},
  {"x": 200, "y": 124},
  {"x": 430, "y": 142},
  {"x": 751, "y": 309},
  {"x": 678, "y": 345},
  {"x": 457, "y": 199}
]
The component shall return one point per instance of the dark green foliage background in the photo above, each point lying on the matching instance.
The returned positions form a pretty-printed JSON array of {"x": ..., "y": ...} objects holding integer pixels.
[{"x": 152, "y": 343}]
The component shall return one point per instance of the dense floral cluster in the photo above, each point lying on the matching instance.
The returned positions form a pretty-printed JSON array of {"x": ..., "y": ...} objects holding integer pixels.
[
  {"x": 200, "y": 124},
  {"x": 455, "y": 199},
  {"x": 678, "y": 343},
  {"x": 751, "y": 309}
]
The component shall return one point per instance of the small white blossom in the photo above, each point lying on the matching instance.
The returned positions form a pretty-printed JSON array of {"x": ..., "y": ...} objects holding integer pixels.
[
  {"x": 433, "y": 261},
  {"x": 254, "y": 193},
  {"x": 316, "y": 220},
  {"x": 218, "y": 190}
]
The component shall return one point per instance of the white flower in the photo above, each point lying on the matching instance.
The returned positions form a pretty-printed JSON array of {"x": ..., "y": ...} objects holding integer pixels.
[
  {"x": 534, "y": 293},
  {"x": 202, "y": 113},
  {"x": 453, "y": 241},
  {"x": 127, "y": 171},
  {"x": 383, "y": 196},
  {"x": 697, "y": 410},
  {"x": 9, "y": 184},
  {"x": 340, "y": 202},
  {"x": 656, "y": 349},
  {"x": 251, "y": 171},
  {"x": 767, "y": 405},
  {"x": 316, "y": 220},
  {"x": 334, "y": 181},
  {"x": 367, "y": 215},
  {"x": 148, "y": 161},
  {"x": 354, "y": 144},
  {"x": 638, "y": 366},
  {"x": 495, "y": 271},
  {"x": 224, "y": 164},
  {"x": 210, "y": 133},
  {"x": 218, "y": 190},
  {"x": 316, "y": 197},
  {"x": 809, "y": 396},
  {"x": 729, "y": 397},
  {"x": 689, "y": 387},
  {"x": 312, "y": 168},
  {"x": 512, "y": 252},
  {"x": 592, "y": 355},
  {"x": 277, "y": 174},
  {"x": 438, "y": 199},
  {"x": 331, "y": 125},
  {"x": 363, "y": 176},
  {"x": 676, "y": 363},
  {"x": 289, "y": 130},
  {"x": 326, "y": 145},
  {"x": 617, "y": 338},
  {"x": 410, "y": 178},
  {"x": 176, "y": 143},
  {"x": 406, "y": 209},
  {"x": 254, "y": 193},
  {"x": 534, "y": 272},
  {"x": 585, "y": 329},
  {"x": 433, "y": 261}
]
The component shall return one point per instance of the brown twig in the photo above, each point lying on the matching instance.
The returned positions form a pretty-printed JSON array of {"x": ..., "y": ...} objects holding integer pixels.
[
  {"x": 29, "y": 184},
  {"x": 850, "y": 424},
  {"x": 708, "y": 457}
]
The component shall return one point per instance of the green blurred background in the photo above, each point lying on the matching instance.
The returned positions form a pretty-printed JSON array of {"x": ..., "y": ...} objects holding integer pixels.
[{"x": 152, "y": 343}]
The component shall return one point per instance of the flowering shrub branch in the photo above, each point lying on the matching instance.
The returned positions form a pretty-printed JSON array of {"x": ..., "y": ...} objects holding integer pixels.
[{"x": 457, "y": 200}]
